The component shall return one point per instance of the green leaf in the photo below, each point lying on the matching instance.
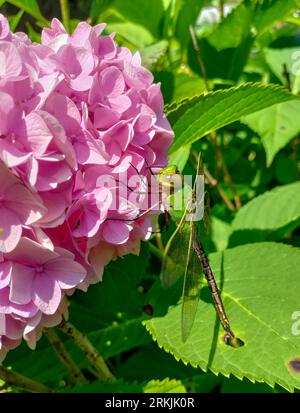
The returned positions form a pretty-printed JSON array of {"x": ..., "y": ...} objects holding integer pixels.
[
  {"x": 32, "y": 34},
  {"x": 260, "y": 293},
  {"x": 276, "y": 126},
  {"x": 43, "y": 364},
  {"x": 136, "y": 34},
  {"x": 268, "y": 216},
  {"x": 180, "y": 157},
  {"x": 233, "y": 385},
  {"x": 110, "y": 314},
  {"x": 192, "y": 119},
  {"x": 226, "y": 64},
  {"x": 118, "y": 298},
  {"x": 99, "y": 6},
  {"x": 204, "y": 383},
  {"x": 277, "y": 58},
  {"x": 286, "y": 169},
  {"x": 165, "y": 386},
  {"x": 31, "y": 7},
  {"x": 152, "y": 54},
  {"x": 143, "y": 13},
  {"x": 270, "y": 11},
  {"x": 231, "y": 40},
  {"x": 188, "y": 14},
  {"x": 15, "y": 20},
  {"x": 119, "y": 386},
  {"x": 221, "y": 231},
  {"x": 152, "y": 358},
  {"x": 234, "y": 29},
  {"x": 187, "y": 86}
]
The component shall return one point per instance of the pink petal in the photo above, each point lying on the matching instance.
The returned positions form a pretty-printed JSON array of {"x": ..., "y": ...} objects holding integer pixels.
[
  {"x": 5, "y": 273},
  {"x": 65, "y": 111},
  {"x": 60, "y": 139},
  {"x": 14, "y": 329},
  {"x": 86, "y": 60},
  {"x": 112, "y": 82},
  {"x": 51, "y": 174},
  {"x": 20, "y": 284},
  {"x": 56, "y": 204},
  {"x": 4, "y": 27},
  {"x": 89, "y": 223},
  {"x": 11, "y": 155},
  {"x": 100, "y": 256},
  {"x": 8, "y": 112},
  {"x": 68, "y": 273},
  {"x": 145, "y": 120},
  {"x": 137, "y": 76},
  {"x": 120, "y": 103},
  {"x": 10, "y": 230},
  {"x": 104, "y": 118},
  {"x": 81, "y": 83},
  {"x": 116, "y": 232},
  {"x": 33, "y": 169},
  {"x": 32, "y": 323},
  {"x": 115, "y": 153},
  {"x": 99, "y": 28},
  {"x": 10, "y": 60},
  {"x": 81, "y": 34},
  {"x": 25, "y": 204},
  {"x": 46, "y": 293},
  {"x": 2, "y": 324},
  {"x": 107, "y": 47},
  {"x": 91, "y": 151},
  {"x": 49, "y": 34},
  {"x": 31, "y": 253},
  {"x": 38, "y": 133},
  {"x": 24, "y": 310}
]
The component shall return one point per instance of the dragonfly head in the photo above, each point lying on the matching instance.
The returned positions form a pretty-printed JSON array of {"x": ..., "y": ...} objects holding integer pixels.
[
  {"x": 170, "y": 177},
  {"x": 169, "y": 170}
]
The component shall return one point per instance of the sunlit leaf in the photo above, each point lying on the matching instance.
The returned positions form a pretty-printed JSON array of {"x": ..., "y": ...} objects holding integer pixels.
[
  {"x": 261, "y": 292},
  {"x": 194, "y": 118}
]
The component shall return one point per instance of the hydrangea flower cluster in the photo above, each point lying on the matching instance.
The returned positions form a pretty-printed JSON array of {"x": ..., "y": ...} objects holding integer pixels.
[{"x": 73, "y": 109}]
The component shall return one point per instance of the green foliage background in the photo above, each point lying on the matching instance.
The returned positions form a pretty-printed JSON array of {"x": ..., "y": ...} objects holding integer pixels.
[{"x": 247, "y": 129}]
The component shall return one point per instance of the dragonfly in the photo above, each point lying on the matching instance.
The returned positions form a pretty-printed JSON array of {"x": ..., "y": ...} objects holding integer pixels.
[{"x": 185, "y": 255}]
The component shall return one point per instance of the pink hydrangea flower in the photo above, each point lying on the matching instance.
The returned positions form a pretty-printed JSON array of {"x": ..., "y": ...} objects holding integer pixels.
[
  {"x": 81, "y": 127},
  {"x": 19, "y": 206}
]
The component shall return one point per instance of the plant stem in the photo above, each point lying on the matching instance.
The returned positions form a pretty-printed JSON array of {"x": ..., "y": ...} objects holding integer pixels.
[
  {"x": 227, "y": 176},
  {"x": 155, "y": 251},
  {"x": 296, "y": 85},
  {"x": 213, "y": 183},
  {"x": 159, "y": 242},
  {"x": 221, "y": 6},
  {"x": 102, "y": 371},
  {"x": 77, "y": 376},
  {"x": 287, "y": 76},
  {"x": 199, "y": 57},
  {"x": 65, "y": 14},
  {"x": 18, "y": 380},
  {"x": 213, "y": 134}
]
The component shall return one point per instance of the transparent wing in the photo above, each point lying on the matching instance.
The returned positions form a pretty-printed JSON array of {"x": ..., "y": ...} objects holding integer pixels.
[
  {"x": 175, "y": 255},
  {"x": 180, "y": 258},
  {"x": 191, "y": 287}
]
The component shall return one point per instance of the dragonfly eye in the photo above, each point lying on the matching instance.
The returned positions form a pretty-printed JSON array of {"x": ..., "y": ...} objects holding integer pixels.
[{"x": 173, "y": 181}]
